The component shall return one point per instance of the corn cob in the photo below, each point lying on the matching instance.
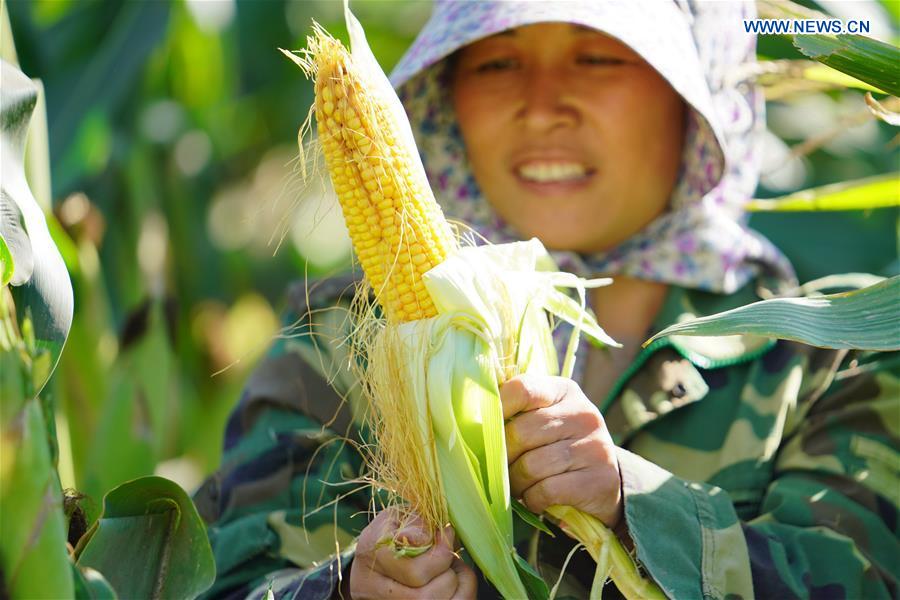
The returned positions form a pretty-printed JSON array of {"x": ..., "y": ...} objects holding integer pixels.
[{"x": 396, "y": 226}]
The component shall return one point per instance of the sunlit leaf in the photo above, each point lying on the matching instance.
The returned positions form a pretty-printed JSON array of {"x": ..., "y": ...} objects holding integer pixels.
[
  {"x": 784, "y": 78},
  {"x": 862, "y": 319},
  {"x": 861, "y": 194},
  {"x": 7, "y": 266},
  {"x": 17, "y": 254},
  {"x": 825, "y": 74},
  {"x": 149, "y": 542},
  {"x": 41, "y": 287},
  {"x": 892, "y": 7}
]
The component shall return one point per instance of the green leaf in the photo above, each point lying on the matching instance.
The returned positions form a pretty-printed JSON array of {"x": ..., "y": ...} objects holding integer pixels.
[
  {"x": 33, "y": 557},
  {"x": 534, "y": 583},
  {"x": 866, "y": 59},
  {"x": 149, "y": 542},
  {"x": 529, "y": 517},
  {"x": 122, "y": 446},
  {"x": 40, "y": 284},
  {"x": 860, "y": 194},
  {"x": 91, "y": 585},
  {"x": 7, "y": 266},
  {"x": 104, "y": 82},
  {"x": 862, "y": 319},
  {"x": 141, "y": 407}
]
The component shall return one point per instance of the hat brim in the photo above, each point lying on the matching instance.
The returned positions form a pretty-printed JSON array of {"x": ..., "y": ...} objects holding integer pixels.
[{"x": 658, "y": 31}]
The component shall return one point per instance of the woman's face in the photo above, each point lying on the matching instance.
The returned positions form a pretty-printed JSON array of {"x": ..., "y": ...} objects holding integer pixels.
[{"x": 571, "y": 136}]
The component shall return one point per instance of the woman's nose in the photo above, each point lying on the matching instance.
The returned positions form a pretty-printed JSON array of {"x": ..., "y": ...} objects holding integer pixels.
[{"x": 547, "y": 101}]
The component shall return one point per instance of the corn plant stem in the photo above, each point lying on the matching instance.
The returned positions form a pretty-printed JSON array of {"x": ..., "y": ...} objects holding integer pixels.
[{"x": 606, "y": 549}]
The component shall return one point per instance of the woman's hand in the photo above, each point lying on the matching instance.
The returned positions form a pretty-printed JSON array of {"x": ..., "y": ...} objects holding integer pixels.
[
  {"x": 436, "y": 574},
  {"x": 559, "y": 449}
]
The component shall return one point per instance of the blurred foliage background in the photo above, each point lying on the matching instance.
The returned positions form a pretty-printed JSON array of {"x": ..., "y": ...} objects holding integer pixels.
[{"x": 181, "y": 215}]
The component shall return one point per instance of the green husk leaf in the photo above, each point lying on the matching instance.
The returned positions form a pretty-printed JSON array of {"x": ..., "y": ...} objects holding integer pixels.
[
  {"x": 862, "y": 319},
  {"x": 573, "y": 313},
  {"x": 474, "y": 515},
  {"x": 529, "y": 517}
]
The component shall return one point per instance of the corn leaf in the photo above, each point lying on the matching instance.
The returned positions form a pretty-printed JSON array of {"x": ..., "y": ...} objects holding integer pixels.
[
  {"x": 33, "y": 557},
  {"x": 862, "y": 319},
  {"x": 91, "y": 585},
  {"x": 133, "y": 30},
  {"x": 149, "y": 542},
  {"x": 866, "y": 59},
  {"x": 40, "y": 283},
  {"x": 860, "y": 194},
  {"x": 537, "y": 588},
  {"x": 529, "y": 517},
  {"x": 135, "y": 417}
]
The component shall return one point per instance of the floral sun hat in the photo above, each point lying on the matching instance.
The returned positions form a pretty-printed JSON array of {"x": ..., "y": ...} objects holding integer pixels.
[{"x": 701, "y": 241}]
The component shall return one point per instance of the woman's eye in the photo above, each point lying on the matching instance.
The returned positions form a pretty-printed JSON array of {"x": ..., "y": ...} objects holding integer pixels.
[
  {"x": 498, "y": 64},
  {"x": 599, "y": 60}
]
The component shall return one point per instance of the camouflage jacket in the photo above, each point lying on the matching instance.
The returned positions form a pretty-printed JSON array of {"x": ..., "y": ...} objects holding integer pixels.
[{"x": 750, "y": 467}]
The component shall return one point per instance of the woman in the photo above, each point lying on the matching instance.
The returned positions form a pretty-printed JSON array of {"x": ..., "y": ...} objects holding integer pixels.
[{"x": 738, "y": 467}]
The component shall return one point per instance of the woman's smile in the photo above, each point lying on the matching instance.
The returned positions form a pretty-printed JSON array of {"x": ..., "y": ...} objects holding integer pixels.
[{"x": 553, "y": 175}]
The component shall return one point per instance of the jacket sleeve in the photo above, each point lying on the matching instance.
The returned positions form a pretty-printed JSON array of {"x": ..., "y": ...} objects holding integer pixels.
[
  {"x": 272, "y": 509},
  {"x": 827, "y": 524}
]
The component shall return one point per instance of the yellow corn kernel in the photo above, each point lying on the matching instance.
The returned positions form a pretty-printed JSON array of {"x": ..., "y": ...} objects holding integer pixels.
[{"x": 398, "y": 230}]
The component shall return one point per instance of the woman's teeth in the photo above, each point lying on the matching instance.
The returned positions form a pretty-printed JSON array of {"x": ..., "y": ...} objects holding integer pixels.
[{"x": 552, "y": 172}]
